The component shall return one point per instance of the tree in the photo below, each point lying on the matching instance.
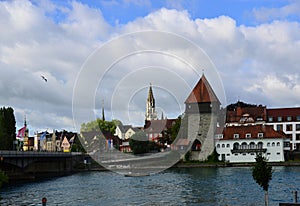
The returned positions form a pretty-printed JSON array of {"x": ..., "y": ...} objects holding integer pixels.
[
  {"x": 3, "y": 178},
  {"x": 139, "y": 143},
  {"x": 262, "y": 174},
  {"x": 7, "y": 128}
]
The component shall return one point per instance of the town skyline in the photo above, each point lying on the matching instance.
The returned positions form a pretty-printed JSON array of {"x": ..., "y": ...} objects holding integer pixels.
[{"x": 254, "y": 47}]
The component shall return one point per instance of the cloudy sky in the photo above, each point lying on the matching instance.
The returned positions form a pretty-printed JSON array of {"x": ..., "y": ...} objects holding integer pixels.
[{"x": 80, "y": 48}]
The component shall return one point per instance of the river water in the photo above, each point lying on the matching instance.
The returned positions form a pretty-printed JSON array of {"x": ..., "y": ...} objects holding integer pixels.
[{"x": 177, "y": 186}]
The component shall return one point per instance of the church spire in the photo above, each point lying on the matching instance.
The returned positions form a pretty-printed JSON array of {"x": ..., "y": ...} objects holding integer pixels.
[{"x": 150, "y": 106}]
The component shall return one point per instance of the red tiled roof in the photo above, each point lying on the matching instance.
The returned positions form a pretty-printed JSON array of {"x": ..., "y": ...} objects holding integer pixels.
[
  {"x": 254, "y": 112},
  {"x": 267, "y": 130},
  {"x": 283, "y": 112},
  {"x": 202, "y": 93}
]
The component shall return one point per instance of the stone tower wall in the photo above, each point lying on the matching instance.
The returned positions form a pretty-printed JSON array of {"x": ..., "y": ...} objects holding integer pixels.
[{"x": 201, "y": 126}]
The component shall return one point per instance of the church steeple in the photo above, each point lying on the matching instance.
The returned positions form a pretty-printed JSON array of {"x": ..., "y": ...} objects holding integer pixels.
[{"x": 150, "y": 106}]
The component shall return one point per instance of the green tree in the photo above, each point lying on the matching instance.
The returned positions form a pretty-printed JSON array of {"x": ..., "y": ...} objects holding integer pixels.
[
  {"x": 100, "y": 125},
  {"x": 3, "y": 178},
  {"x": 7, "y": 128},
  {"x": 139, "y": 143},
  {"x": 262, "y": 174}
]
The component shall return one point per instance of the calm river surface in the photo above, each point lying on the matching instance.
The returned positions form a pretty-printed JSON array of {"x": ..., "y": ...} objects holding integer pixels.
[{"x": 185, "y": 186}]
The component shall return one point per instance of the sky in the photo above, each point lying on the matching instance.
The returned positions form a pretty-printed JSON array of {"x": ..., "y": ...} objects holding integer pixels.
[{"x": 96, "y": 53}]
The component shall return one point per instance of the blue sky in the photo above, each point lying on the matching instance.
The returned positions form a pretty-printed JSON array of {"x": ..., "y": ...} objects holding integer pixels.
[
  {"x": 123, "y": 11},
  {"x": 254, "y": 45}
]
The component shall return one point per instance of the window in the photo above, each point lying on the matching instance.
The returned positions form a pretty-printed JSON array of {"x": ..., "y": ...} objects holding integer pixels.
[
  {"x": 298, "y": 118},
  {"x": 279, "y": 119},
  {"x": 278, "y": 144},
  {"x": 248, "y": 135},
  {"x": 273, "y": 144},
  {"x": 289, "y": 118},
  {"x": 252, "y": 145},
  {"x": 270, "y": 119},
  {"x": 244, "y": 145},
  {"x": 297, "y": 127},
  {"x": 236, "y": 145},
  {"x": 278, "y": 153},
  {"x": 223, "y": 145},
  {"x": 279, "y": 127},
  {"x": 227, "y": 154},
  {"x": 260, "y": 145},
  {"x": 289, "y": 127},
  {"x": 235, "y": 136},
  {"x": 268, "y": 144},
  {"x": 268, "y": 153},
  {"x": 218, "y": 145},
  {"x": 260, "y": 135},
  {"x": 297, "y": 136},
  {"x": 227, "y": 145}
]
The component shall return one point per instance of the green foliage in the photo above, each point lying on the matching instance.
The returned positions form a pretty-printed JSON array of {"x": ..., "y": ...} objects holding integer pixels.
[
  {"x": 213, "y": 157},
  {"x": 139, "y": 143},
  {"x": 3, "y": 178},
  {"x": 187, "y": 156},
  {"x": 77, "y": 146},
  {"x": 262, "y": 172},
  {"x": 171, "y": 134},
  {"x": 100, "y": 125},
  {"x": 7, "y": 128}
]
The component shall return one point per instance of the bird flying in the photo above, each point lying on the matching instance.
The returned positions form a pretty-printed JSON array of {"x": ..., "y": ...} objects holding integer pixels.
[{"x": 44, "y": 78}]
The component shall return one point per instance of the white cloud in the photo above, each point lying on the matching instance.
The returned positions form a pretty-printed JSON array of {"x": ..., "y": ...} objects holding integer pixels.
[
  {"x": 266, "y": 13},
  {"x": 258, "y": 64}
]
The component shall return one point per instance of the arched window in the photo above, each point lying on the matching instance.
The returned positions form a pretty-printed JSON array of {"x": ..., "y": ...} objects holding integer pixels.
[
  {"x": 236, "y": 145},
  {"x": 223, "y": 145},
  {"x": 273, "y": 144},
  {"x": 268, "y": 144},
  {"x": 196, "y": 145},
  {"x": 244, "y": 145},
  {"x": 252, "y": 145},
  {"x": 260, "y": 145},
  {"x": 278, "y": 144},
  {"x": 228, "y": 145},
  {"x": 218, "y": 145}
]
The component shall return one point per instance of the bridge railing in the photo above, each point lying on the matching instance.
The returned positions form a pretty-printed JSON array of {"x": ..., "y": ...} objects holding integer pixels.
[{"x": 7, "y": 153}]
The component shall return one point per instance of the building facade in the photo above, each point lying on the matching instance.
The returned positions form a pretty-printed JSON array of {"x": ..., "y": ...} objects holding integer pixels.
[
  {"x": 286, "y": 120},
  {"x": 237, "y": 144}
]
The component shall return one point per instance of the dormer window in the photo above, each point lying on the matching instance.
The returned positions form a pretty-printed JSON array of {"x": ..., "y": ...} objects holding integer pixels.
[
  {"x": 260, "y": 135},
  {"x": 248, "y": 135},
  {"x": 236, "y": 136}
]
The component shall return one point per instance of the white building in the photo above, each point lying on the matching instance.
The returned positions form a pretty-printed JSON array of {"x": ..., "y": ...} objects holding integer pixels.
[
  {"x": 286, "y": 120},
  {"x": 241, "y": 143}
]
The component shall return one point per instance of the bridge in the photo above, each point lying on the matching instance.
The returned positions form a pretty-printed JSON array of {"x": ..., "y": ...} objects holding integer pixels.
[{"x": 33, "y": 164}]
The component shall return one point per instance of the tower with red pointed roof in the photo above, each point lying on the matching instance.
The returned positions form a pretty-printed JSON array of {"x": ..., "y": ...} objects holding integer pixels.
[{"x": 202, "y": 107}]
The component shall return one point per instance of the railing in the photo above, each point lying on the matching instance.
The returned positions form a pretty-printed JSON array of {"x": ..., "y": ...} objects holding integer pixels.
[
  {"x": 6, "y": 153},
  {"x": 233, "y": 151}
]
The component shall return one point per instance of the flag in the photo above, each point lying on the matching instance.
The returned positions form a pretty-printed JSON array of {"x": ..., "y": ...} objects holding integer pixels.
[
  {"x": 43, "y": 136},
  {"x": 21, "y": 133}
]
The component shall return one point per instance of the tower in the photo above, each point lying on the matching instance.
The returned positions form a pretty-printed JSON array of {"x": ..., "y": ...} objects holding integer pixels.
[
  {"x": 150, "y": 106},
  {"x": 202, "y": 107},
  {"x": 25, "y": 140}
]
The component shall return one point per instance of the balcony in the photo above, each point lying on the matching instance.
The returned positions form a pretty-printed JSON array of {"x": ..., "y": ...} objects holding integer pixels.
[{"x": 261, "y": 150}]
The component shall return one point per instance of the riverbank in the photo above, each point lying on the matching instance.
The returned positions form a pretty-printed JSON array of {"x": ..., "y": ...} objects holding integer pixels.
[{"x": 223, "y": 164}]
